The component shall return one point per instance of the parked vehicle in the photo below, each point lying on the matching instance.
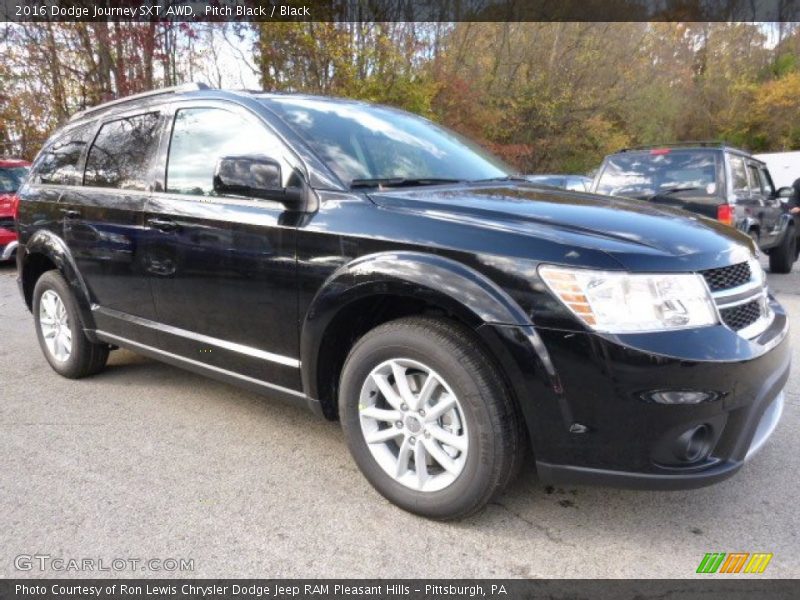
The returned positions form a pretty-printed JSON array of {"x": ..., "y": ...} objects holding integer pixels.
[
  {"x": 783, "y": 166},
  {"x": 450, "y": 314},
  {"x": 577, "y": 183},
  {"x": 12, "y": 173},
  {"x": 713, "y": 180}
]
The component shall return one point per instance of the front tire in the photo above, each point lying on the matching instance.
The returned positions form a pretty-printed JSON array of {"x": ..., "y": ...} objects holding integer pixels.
[
  {"x": 781, "y": 258},
  {"x": 428, "y": 418},
  {"x": 60, "y": 332}
]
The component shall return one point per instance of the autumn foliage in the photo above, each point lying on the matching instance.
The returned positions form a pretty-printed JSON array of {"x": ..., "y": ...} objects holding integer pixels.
[{"x": 545, "y": 96}]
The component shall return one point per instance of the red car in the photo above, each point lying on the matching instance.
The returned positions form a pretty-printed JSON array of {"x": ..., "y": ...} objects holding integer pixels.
[{"x": 12, "y": 173}]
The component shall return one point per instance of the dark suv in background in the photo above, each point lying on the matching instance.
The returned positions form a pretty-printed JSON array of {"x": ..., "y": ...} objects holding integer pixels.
[
  {"x": 383, "y": 271},
  {"x": 710, "y": 179}
]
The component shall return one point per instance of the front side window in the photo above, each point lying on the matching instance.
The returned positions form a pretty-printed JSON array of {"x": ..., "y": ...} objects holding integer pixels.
[
  {"x": 11, "y": 179},
  {"x": 365, "y": 142},
  {"x": 642, "y": 175},
  {"x": 201, "y": 136},
  {"x": 58, "y": 161},
  {"x": 121, "y": 154}
]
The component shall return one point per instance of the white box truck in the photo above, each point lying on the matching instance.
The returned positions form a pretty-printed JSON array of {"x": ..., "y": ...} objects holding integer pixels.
[{"x": 783, "y": 166}]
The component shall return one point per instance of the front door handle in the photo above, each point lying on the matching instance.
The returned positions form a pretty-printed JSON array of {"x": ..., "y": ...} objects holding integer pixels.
[
  {"x": 163, "y": 224},
  {"x": 70, "y": 214}
]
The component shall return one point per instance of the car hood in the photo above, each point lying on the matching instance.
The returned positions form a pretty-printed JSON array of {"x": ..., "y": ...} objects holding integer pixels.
[{"x": 627, "y": 229}]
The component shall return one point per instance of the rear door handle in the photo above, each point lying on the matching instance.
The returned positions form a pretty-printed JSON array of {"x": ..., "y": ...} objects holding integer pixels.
[
  {"x": 70, "y": 214},
  {"x": 163, "y": 224}
]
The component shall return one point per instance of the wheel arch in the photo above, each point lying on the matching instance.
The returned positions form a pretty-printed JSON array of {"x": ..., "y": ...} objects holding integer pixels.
[
  {"x": 381, "y": 287},
  {"x": 45, "y": 251}
]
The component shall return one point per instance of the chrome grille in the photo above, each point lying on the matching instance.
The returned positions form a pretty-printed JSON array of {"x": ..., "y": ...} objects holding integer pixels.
[
  {"x": 725, "y": 278},
  {"x": 743, "y": 315},
  {"x": 740, "y": 293}
]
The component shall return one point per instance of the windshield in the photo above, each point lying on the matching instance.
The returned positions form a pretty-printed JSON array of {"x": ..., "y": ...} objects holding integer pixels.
[
  {"x": 647, "y": 174},
  {"x": 11, "y": 178},
  {"x": 364, "y": 142}
]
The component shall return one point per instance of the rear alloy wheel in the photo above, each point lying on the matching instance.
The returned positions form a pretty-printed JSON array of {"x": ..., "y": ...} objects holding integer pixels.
[
  {"x": 55, "y": 326},
  {"x": 60, "y": 332},
  {"x": 428, "y": 419}
]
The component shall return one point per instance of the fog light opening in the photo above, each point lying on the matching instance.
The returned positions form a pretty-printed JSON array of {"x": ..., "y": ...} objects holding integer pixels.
[
  {"x": 679, "y": 396},
  {"x": 694, "y": 445}
]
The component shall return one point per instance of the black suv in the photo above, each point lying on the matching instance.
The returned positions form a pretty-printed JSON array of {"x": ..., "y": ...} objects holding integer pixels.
[
  {"x": 713, "y": 180},
  {"x": 387, "y": 273}
]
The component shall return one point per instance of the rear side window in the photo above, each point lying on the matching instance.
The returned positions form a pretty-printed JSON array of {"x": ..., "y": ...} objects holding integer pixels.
[
  {"x": 121, "y": 154},
  {"x": 755, "y": 180},
  {"x": 739, "y": 175},
  {"x": 58, "y": 161}
]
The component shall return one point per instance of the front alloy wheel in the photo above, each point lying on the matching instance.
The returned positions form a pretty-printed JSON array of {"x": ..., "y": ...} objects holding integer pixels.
[
  {"x": 414, "y": 425},
  {"x": 428, "y": 417}
]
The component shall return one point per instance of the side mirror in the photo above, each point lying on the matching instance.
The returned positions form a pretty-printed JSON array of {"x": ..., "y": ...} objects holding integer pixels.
[
  {"x": 784, "y": 194},
  {"x": 257, "y": 177}
]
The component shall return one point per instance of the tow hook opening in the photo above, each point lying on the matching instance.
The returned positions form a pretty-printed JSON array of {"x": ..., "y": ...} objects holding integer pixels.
[{"x": 694, "y": 444}]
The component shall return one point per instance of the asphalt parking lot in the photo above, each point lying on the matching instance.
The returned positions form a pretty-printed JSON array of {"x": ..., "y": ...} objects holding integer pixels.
[{"x": 149, "y": 461}]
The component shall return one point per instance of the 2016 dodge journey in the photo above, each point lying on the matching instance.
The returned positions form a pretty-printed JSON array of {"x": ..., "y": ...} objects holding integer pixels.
[{"x": 387, "y": 273}]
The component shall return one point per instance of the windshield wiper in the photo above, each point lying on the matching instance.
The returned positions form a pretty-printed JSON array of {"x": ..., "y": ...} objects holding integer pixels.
[
  {"x": 400, "y": 182},
  {"x": 503, "y": 178},
  {"x": 672, "y": 190}
]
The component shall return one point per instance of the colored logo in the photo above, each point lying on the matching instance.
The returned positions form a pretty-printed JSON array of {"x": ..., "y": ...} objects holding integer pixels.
[{"x": 734, "y": 562}]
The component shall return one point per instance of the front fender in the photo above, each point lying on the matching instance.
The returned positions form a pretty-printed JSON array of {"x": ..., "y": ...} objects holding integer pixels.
[
  {"x": 46, "y": 244},
  {"x": 439, "y": 280}
]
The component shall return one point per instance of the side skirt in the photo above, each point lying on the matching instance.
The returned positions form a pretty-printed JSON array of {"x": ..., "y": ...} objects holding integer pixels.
[{"x": 253, "y": 385}]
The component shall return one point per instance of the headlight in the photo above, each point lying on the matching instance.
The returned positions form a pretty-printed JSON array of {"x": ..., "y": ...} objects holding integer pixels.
[{"x": 619, "y": 302}]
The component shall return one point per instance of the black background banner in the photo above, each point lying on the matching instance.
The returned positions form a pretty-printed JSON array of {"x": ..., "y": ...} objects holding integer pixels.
[
  {"x": 714, "y": 587},
  {"x": 400, "y": 10}
]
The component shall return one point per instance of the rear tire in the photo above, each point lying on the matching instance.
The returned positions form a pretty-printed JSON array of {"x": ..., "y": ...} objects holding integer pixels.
[
  {"x": 448, "y": 438},
  {"x": 60, "y": 331},
  {"x": 782, "y": 257}
]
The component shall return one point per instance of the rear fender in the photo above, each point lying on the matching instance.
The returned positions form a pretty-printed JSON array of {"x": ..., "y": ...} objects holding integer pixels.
[{"x": 47, "y": 244}]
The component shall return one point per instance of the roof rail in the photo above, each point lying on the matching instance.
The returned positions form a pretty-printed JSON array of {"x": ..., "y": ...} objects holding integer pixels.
[
  {"x": 701, "y": 143},
  {"x": 177, "y": 89}
]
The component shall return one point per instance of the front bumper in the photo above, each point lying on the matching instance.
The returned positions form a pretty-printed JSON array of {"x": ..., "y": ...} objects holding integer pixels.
[
  {"x": 708, "y": 475},
  {"x": 588, "y": 402}
]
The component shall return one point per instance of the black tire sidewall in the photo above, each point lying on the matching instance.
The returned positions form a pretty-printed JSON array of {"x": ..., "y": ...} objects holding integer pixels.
[
  {"x": 785, "y": 254},
  {"x": 52, "y": 280},
  {"x": 471, "y": 484}
]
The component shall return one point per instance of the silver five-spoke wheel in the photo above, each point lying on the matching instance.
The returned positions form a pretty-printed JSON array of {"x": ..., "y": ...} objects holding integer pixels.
[
  {"x": 413, "y": 424},
  {"x": 55, "y": 326}
]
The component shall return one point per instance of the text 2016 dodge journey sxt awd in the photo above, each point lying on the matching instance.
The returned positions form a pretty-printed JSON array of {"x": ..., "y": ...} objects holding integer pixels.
[{"x": 387, "y": 273}]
